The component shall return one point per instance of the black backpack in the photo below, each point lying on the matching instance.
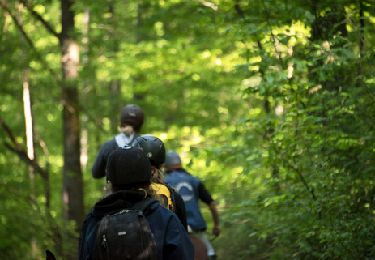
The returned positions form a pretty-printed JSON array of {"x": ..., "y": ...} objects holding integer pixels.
[{"x": 126, "y": 234}]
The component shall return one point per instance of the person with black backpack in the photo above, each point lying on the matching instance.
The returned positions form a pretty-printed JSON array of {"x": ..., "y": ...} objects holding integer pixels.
[
  {"x": 154, "y": 150},
  {"x": 129, "y": 223},
  {"x": 131, "y": 122}
]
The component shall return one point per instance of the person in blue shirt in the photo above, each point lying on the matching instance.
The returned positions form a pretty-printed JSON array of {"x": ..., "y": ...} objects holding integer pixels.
[
  {"x": 131, "y": 122},
  {"x": 192, "y": 190},
  {"x": 129, "y": 176}
]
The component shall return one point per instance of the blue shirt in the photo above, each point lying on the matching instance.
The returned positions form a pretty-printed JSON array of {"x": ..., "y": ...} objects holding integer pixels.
[{"x": 191, "y": 190}]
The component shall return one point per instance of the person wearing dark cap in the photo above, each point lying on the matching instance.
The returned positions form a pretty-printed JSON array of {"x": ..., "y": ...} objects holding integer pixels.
[
  {"x": 131, "y": 122},
  {"x": 129, "y": 176},
  {"x": 192, "y": 190},
  {"x": 154, "y": 150}
]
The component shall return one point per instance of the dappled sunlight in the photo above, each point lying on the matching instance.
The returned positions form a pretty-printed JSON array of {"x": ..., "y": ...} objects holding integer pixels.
[{"x": 269, "y": 103}]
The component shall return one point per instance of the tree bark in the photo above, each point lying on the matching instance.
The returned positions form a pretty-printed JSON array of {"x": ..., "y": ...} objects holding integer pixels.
[
  {"x": 72, "y": 173},
  {"x": 115, "y": 83},
  {"x": 30, "y": 144},
  {"x": 269, "y": 131},
  {"x": 142, "y": 7},
  {"x": 29, "y": 127},
  {"x": 115, "y": 95},
  {"x": 361, "y": 29},
  {"x": 361, "y": 39},
  {"x": 86, "y": 86}
]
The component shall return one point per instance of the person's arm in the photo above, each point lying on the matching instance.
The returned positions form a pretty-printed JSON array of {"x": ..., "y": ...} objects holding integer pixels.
[
  {"x": 87, "y": 238},
  {"x": 82, "y": 240},
  {"x": 206, "y": 197},
  {"x": 215, "y": 217},
  {"x": 98, "y": 169}
]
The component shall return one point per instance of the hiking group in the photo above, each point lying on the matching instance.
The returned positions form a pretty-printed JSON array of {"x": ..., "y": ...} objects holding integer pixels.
[{"x": 144, "y": 214}]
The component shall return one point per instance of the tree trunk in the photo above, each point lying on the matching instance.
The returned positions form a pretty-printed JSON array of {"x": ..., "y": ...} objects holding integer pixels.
[
  {"x": 115, "y": 83},
  {"x": 361, "y": 39},
  {"x": 72, "y": 173},
  {"x": 86, "y": 86},
  {"x": 30, "y": 145},
  {"x": 269, "y": 131},
  {"x": 29, "y": 129},
  {"x": 361, "y": 29},
  {"x": 115, "y": 96},
  {"x": 142, "y": 7}
]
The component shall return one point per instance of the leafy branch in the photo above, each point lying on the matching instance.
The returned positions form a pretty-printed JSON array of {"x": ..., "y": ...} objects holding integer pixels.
[
  {"x": 20, "y": 151},
  {"x": 40, "y": 18},
  {"x": 29, "y": 41}
]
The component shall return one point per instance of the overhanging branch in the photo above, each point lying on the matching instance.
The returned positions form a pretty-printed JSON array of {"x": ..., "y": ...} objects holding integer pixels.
[
  {"x": 8, "y": 131},
  {"x": 19, "y": 26},
  {"x": 21, "y": 152},
  {"x": 40, "y": 18},
  {"x": 303, "y": 180}
]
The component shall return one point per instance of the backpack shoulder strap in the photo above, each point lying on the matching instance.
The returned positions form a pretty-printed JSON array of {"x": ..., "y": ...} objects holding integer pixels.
[{"x": 172, "y": 193}]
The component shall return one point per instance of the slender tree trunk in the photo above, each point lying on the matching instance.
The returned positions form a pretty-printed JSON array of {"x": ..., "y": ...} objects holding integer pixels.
[
  {"x": 72, "y": 173},
  {"x": 269, "y": 131},
  {"x": 86, "y": 85},
  {"x": 29, "y": 132},
  {"x": 29, "y": 128},
  {"x": 361, "y": 39},
  {"x": 139, "y": 37},
  {"x": 47, "y": 190},
  {"x": 361, "y": 29},
  {"x": 27, "y": 108},
  {"x": 115, "y": 96},
  {"x": 115, "y": 83},
  {"x": 140, "y": 11}
]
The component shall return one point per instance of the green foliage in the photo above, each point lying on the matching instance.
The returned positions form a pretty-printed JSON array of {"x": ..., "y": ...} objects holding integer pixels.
[{"x": 271, "y": 103}]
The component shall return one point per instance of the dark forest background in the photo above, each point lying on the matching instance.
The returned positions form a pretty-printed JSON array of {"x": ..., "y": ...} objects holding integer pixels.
[{"x": 270, "y": 103}]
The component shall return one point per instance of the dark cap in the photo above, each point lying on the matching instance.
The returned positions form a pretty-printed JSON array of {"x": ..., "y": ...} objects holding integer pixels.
[
  {"x": 172, "y": 159},
  {"x": 152, "y": 147},
  {"x": 132, "y": 115},
  {"x": 128, "y": 167}
]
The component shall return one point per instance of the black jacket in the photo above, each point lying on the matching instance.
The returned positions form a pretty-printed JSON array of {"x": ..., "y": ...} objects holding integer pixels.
[
  {"x": 172, "y": 240},
  {"x": 98, "y": 169}
]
